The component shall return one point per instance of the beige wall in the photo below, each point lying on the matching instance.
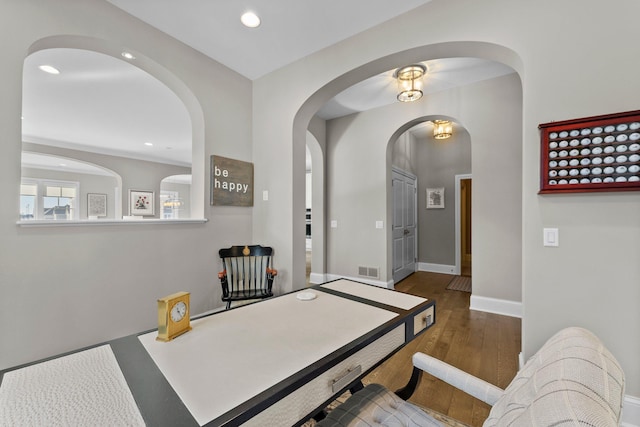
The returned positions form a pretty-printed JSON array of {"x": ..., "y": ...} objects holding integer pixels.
[
  {"x": 64, "y": 288},
  {"x": 548, "y": 43}
]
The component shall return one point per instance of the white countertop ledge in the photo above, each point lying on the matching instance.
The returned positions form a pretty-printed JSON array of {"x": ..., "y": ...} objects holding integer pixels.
[{"x": 99, "y": 222}]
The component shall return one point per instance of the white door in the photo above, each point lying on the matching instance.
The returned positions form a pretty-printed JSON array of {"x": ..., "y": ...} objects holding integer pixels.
[{"x": 404, "y": 225}]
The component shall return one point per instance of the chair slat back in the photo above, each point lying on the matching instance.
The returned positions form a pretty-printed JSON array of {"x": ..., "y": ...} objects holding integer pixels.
[{"x": 246, "y": 272}]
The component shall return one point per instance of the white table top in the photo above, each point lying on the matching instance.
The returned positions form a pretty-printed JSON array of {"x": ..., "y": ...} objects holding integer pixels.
[
  {"x": 232, "y": 356},
  {"x": 374, "y": 293},
  {"x": 85, "y": 388}
]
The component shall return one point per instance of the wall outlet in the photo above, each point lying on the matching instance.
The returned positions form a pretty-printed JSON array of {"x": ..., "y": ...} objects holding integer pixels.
[{"x": 334, "y": 223}]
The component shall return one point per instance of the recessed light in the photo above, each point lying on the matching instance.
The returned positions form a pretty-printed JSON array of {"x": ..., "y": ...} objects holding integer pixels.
[
  {"x": 49, "y": 69},
  {"x": 148, "y": 144},
  {"x": 128, "y": 55},
  {"x": 250, "y": 19}
]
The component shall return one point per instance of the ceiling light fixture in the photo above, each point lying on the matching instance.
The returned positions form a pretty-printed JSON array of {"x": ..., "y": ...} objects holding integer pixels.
[
  {"x": 49, "y": 69},
  {"x": 442, "y": 129},
  {"x": 410, "y": 82},
  {"x": 127, "y": 55},
  {"x": 250, "y": 19},
  {"x": 149, "y": 144},
  {"x": 173, "y": 203}
]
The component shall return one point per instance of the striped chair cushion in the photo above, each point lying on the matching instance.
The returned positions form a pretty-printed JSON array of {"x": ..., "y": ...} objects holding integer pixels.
[
  {"x": 374, "y": 405},
  {"x": 572, "y": 380}
]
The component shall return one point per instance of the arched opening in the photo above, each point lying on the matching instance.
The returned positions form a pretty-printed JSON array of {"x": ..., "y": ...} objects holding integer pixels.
[
  {"x": 175, "y": 197},
  {"x": 436, "y": 164},
  {"x": 103, "y": 108},
  {"x": 55, "y": 187},
  {"x": 378, "y": 207},
  {"x": 315, "y": 207}
]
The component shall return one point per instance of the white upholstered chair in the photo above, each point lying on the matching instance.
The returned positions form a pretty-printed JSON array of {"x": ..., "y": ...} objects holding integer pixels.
[{"x": 572, "y": 380}]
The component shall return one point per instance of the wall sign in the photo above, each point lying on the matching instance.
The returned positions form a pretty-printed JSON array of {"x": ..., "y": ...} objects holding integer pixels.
[{"x": 231, "y": 182}]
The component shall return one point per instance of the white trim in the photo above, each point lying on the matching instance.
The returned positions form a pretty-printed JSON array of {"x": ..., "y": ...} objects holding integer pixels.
[
  {"x": 388, "y": 284},
  {"x": 90, "y": 222},
  {"x": 436, "y": 268},
  {"x": 459, "y": 178},
  {"x": 630, "y": 412},
  {"x": 317, "y": 278},
  {"x": 497, "y": 306}
]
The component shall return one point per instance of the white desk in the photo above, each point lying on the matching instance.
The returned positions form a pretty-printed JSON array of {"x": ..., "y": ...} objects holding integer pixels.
[{"x": 269, "y": 363}]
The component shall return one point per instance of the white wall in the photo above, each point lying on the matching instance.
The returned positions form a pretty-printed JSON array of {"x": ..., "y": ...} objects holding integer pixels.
[
  {"x": 108, "y": 278},
  {"x": 573, "y": 63}
]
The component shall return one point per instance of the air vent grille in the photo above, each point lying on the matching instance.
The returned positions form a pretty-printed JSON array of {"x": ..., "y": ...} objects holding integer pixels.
[{"x": 371, "y": 272}]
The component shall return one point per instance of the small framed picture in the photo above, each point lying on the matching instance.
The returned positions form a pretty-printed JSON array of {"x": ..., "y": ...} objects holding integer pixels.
[
  {"x": 435, "y": 198},
  {"x": 96, "y": 205},
  {"x": 141, "y": 203}
]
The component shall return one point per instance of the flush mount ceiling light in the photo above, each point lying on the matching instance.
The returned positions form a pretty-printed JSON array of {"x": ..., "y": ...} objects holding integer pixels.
[
  {"x": 410, "y": 82},
  {"x": 49, "y": 69},
  {"x": 250, "y": 19},
  {"x": 442, "y": 129}
]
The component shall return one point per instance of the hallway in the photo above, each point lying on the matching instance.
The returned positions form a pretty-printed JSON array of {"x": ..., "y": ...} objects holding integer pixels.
[{"x": 484, "y": 344}]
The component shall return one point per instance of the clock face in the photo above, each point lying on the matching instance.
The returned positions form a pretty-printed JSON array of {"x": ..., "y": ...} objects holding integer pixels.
[{"x": 178, "y": 311}]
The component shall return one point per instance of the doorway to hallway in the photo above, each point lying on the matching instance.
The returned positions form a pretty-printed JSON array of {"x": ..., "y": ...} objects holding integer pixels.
[{"x": 463, "y": 224}]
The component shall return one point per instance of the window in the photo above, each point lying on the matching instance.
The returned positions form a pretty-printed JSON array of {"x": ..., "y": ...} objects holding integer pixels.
[{"x": 48, "y": 200}]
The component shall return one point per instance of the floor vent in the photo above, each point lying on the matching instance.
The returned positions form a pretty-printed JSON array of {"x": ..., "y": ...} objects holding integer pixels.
[{"x": 371, "y": 272}]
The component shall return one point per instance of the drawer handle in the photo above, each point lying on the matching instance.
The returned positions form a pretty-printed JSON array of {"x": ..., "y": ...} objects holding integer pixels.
[
  {"x": 339, "y": 383},
  {"x": 427, "y": 320}
]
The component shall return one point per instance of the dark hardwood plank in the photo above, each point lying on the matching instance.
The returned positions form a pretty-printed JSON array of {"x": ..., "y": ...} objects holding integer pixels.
[{"x": 485, "y": 345}]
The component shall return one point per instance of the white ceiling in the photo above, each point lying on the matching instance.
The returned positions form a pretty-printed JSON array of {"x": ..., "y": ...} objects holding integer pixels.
[
  {"x": 103, "y": 104},
  {"x": 290, "y": 29}
]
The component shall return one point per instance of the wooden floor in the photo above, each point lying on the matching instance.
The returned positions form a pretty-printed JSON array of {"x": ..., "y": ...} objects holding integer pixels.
[{"x": 483, "y": 344}]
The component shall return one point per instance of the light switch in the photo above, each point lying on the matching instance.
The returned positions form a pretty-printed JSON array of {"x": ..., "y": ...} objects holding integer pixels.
[
  {"x": 550, "y": 237},
  {"x": 379, "y": 224},
  {"x": 265, "y": 195},
  {"x": 334, "y": 223}
]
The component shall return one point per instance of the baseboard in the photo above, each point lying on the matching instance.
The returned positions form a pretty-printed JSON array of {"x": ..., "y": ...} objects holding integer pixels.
[
  {"x": 630, "y": 412},
  {"x": 496, "y": 306},
  {"x": 436, "y": 268},
  {"x": 388, "y": 285},
  {"x": 317, "y": 278}
]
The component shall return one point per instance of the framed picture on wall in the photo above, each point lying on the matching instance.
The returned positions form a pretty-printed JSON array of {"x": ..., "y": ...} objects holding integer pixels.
[
  {"x": 96, "y": 205},
  {"x": 435, "y": 198},
  {"x": 141, "y": 203}
]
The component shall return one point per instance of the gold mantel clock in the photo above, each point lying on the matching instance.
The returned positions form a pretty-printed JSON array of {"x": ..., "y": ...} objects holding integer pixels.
[{"x": 173, "y": 316}]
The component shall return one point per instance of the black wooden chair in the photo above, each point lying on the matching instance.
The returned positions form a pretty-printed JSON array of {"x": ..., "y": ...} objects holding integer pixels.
[{"x": 247, "y": 273}]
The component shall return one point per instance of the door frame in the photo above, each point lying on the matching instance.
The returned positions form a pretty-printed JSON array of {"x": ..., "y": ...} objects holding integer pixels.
[{"x": 458, "y": 266}]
